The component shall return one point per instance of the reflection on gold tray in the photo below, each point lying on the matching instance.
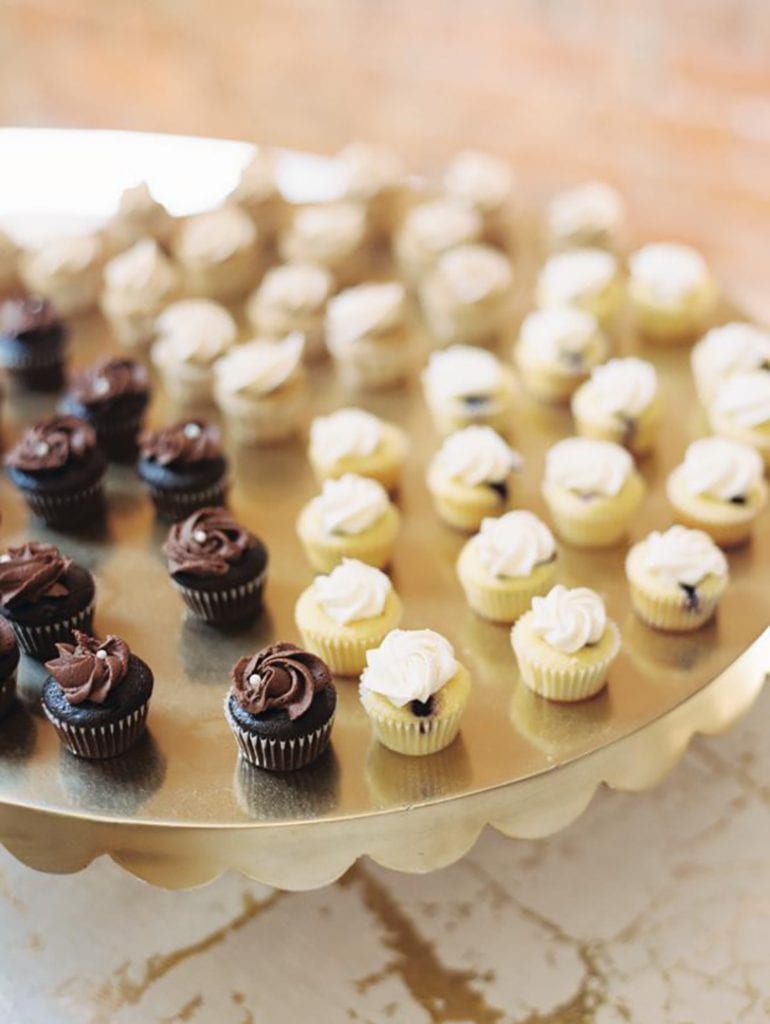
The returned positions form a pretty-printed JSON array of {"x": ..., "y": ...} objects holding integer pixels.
[{"x": 180, "y": 809}]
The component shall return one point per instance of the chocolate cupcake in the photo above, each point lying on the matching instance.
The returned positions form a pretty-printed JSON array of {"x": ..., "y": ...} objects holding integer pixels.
[
  {"x": 9, "y": 660},
  {"x": 97, "y": 696},
  {"x": 112, "y": 395},
  {"x": 217, "y": 566},
  {"x": 59, "y": 471},
  {"x": 44, "y": 596},
  {"x": 183, "y": 467},
  {"x": 33, "y": 341},
  {"x": 281, "y": 707}
]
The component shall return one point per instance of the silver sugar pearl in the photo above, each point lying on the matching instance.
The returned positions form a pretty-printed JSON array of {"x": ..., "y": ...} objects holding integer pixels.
[
  {"x": 192, "y": 430},
  {"x": 199, "y": 536},
  {"x": 101, "y": 386},
  {"x": 42, "y": 448},
  {"x": 101, "y": 655},
  {"x": 255, "y": 679}
]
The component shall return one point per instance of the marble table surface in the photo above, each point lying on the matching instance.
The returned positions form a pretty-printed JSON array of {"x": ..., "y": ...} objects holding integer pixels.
[{"x": 652, "y": 908}]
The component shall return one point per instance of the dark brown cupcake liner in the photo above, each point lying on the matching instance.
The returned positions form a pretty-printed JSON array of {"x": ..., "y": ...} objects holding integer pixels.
[
  {"x": 118, "y": 438},
  {"x": 276, "y": 755},
  {"x": 39, "y": 642},
  {"x": 21, "y": 361},
  {"x": 228, "y": 605},
  {"x": 176, "y": 505},
  {"x": 7, "y": 693},
  {"x": 101, "y": 741},
  {"x": 69, "y": 509}
]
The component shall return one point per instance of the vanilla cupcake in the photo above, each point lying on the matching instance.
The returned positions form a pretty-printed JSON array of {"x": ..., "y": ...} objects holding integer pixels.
[
  {"x": 486, "y": 184},
  {"x": 259, "y": 195},
  {"x": 292, "y": 297},
  {"x": 355, "y": 441},
  {"x": 724, "y": 351},
  {"x": 138, "y": 285},
  {"x": 220, "y": 253},
  {"x": 10, "y": 254},
  {"x": 67, "y": 272},
  {"x": 741, "y": 410},
  {"x": 470, "y": 476},
  {"x": 343, "y": 615},
  {"x": 468, "y": 295},
  {"x": 565, "y": 644},
  {"x": 676, "y": 578},
  {"x": 139, "y": 215},
  {"x": 592, "y": 490},
  {"x": 719, "y": 488},
  {"x": 672, "y": 292},
  {"x": 591, "y": 215},
  {"x": 352, "y": 517},
  {"x": 332, "y": 235},
  {"x": 368, "y": 336},
  {"x": 261, "y": 389},
  {"x": 414, "y": 691},
  {"x": 190, "y": 336},
  {"x": 556, "y": 351},
  {"x": 620, "y": 402},
  {"x": 428, "y": 231},
  {"x": 372, "y": 176},
  {"x": 585, "y": 278},
  {"x": 510, "y": 560},
  {"x": 465, "y": 386}
]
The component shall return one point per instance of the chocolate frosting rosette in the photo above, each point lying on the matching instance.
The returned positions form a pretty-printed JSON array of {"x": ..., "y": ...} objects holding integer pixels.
[
  {"x": 33, "y": 342},
  {"x": 112, "y": 395}
]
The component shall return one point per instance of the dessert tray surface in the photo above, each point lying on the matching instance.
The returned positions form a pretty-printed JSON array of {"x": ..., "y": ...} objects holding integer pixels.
[{"x": 180, "y": 808}]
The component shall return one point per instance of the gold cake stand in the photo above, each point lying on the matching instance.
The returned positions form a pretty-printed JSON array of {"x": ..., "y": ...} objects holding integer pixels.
[{"x": 180, "y": 809}]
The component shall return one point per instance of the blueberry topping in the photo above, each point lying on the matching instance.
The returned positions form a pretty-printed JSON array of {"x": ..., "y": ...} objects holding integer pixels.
[
  {"x": 475, "y": 401},
  {"x": 501, "y": 488},
  {"x": 738, "y": 499},
  {"x": 691, "y": 597},
  {"x": 422, "y": 708},
  {"x": 574, "y": 360}
]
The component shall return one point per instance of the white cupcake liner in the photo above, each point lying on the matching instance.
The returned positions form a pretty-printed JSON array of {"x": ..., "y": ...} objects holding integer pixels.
[
  {"x": 21, "y": 361},
  {"x": 39, "y": 640},
  {"x": 95, "y": 742},
  {"x": 280, "y": 755},
  {"x": 416, "y": 738},
  {"x": 217, "y": 605}
]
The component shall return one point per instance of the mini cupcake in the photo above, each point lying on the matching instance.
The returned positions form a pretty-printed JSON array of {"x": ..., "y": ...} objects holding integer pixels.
[
  {"x": 183, "y": 467},
  {"x": 676, "y": 578},
  {"x": 218, "y": 567},
  {"x": 112, "y": 395},
  {"x": 290, "y": 298},
  {"x": 139, "y": 215},
  {"x": 281, "y": 707},
  {"x": 741, "y": 410},
  {"x": 719, "y": 488},
  {"x": 724, "y": 351},
  {"x": 367, "y": 334},
  {"x": 592, "y": 490},
  {"x": 556, "y": 351},
  {"x": 585, "y": 278},
  {"x": 414, "y": 691},
  {"x": 468, "y": 295},
  {"x": 331, "y": 235},
  {"x": 486, "y": 184},
  {"x": 261, "y": 389},
  {"x": 343, "y": 615},
  {"x": 672, "y": 292},
  {"x": 191, "y": 335},
  {"x": 510, "y": 560},
  {"x": 466, "y": 386},
  {"x": 9, "y": 660},
  {"x": 354, "y": 441},
  {"x": 591, "y": 215},
  {"x": 470, "y": 477},
  {"x": 621, "y": 403},
  {"x": 97, "y": 696},
  {"x": 565, "y": 644},
  {"x": 67, "y": 272},
  {"x": 59, "y": 471},
  {"x": 220, "y": 253},
  {"x": 351, "y": 518},
  {"x": 259, "y": 195},
  {"x": 33, "y": 343},
  {"x": 373, "y": 176},
  {"x": 430, "y": 229},
  {"x": 45, "y": 597},
  {"x": 138, "y": 285},
  {"x": 10, "y": 252}
]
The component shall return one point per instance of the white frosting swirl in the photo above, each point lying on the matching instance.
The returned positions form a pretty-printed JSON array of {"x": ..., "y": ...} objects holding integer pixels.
[
  {"x": 745, "y": 399},
  {"x": 478, "y": 179},
  {"x": 577, "y": 273},
  {"x": 682, "y": 556},
  {"x": 259, "y": 367},
  {"x": 442, "y": 224},
  {"x": 725, "y": 351},
  {"x": 346, "y": 433},
  {"x": 215, "y": 235},
  {"x": 569, "y": 620},
  {"x": 588, "y": 467},
  {"x": 366, "y": 170},
  {"x": 622, "y": 387},
  {"x": 64, "y": 257},
  {"x": 409, "y": 664},
  {"x": 559, "y": 335},
  {"x": 143, "y": 269},
  {"x": 352, "y": 591},
  {"x": 476, "y": 455},
  {"x": 350, "y": 504},
  {"x": 295, "y": 288},
  {"x": 474, "y": 272},
  {"x": 514, "y": 544},
  {"x": 194, "y": 331},
  {"x": 668, "y": 271},
  {"x": 721, "y": 468},
  {"x": 462, "y": 370},
  {"x": 591, "y": 208},
  {"x": 364, "y": 310}
]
